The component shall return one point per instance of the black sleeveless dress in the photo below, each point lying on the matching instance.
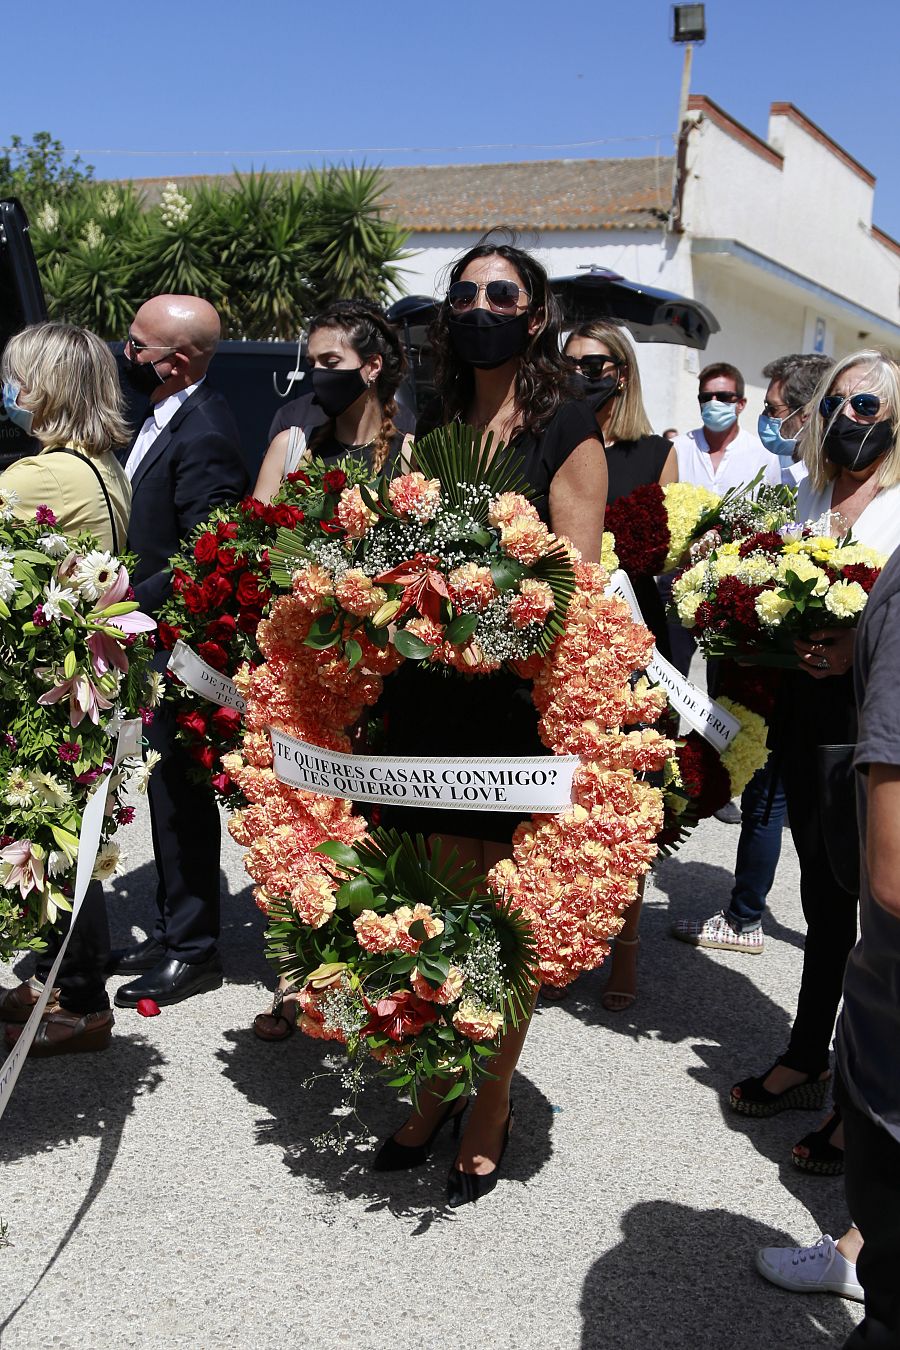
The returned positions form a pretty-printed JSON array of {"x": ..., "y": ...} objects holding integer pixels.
[
  {"x": 440, "y": 712},
  {"x": 631, "y": 464}
]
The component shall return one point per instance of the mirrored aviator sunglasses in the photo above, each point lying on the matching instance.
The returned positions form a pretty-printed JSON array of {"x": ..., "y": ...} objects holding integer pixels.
[
  {"x": 864, "y": 405},
  {"x": 502, "y": 296}
]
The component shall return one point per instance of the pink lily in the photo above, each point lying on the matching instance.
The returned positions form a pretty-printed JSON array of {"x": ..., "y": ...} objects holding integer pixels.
[
  {"x": 85, "y": 699},
  {"x": 25, "y": 868},
  {"x": 106, "y": 654},
  {"x": 135, "y": 622}
]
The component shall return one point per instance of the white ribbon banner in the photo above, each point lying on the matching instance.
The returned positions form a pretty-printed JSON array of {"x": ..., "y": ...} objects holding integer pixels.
[
  {"x": 203, "y": 679},
  {"x": 129, "y": 735},
  {"x": 701, "y": 712},
  {"x": 540, "y": 785}
]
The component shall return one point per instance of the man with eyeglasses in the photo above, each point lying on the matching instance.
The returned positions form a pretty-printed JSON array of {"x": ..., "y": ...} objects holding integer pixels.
[
  {"x": 185, "y": 460},
  {"x": 792, "y": 383}
]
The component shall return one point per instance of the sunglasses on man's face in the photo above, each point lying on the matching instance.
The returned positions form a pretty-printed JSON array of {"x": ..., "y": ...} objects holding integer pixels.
[
  {"x": 720, "y": 395},
  {"x": 502, "y": 296},
  {"x": 864, "y": 405},
  {"x": 595, "y": 366}
]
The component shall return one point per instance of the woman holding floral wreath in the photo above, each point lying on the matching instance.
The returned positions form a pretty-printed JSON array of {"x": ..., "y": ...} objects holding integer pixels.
[
  {"x": 499, "y": 369},
  {"x": 60, "y": 385},
  {"x": 852, "y": 452}
]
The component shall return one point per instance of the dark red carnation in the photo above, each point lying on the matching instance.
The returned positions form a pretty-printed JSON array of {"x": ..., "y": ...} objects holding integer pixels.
[
  {"x": 227, "y": 529},
  {"x": 703, "y": 776},
  {"x": 335, "y": 480},
  {"x": 225, "y": 722},
  {"x": 756, "y": 687},
  {"x": 213, "y": 655},
  {"x": 204, "y": 755},
  {"x": 767, "y": 541},
  {"x": 641, "y": 529},
  {"x": 193, "y": 722},
  {"x": 221, "y": 629},
  {"x": 168, "y": 634},
  {"x": 866, "y": 576},
  {"x": 205, "y": 548}
]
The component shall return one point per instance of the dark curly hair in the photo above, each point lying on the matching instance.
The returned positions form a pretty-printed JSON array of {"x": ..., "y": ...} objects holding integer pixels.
[
  {"x": 369, "y": 334},
  {"x": 543, "y": 380}
]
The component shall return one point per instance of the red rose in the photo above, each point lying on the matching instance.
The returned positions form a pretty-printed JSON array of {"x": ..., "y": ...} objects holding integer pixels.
[
  {"x": 335, "y": 480},
  {"x": 221, "y": 629},
  {"x": 205, "y": 548},
  {"x": 180, "y": 581},
  {"x": 168, "y": 634},
  {"x": 298, "y": 477},
  {"x": 249, "y": 620},
  {"x": 213, "y": 655},
  {"x": 229, "y": 559},
  {"x": 193, "y": 722},
  {"x": 400, "y": 1014},
  {"x": 195, "y": 598},
  {"x": 286, "y": 516},
  {"x": 204, "y": 755},
  {"x": 227, "y": 529},
  {"x": 248, "y": 592},
  {"x": 264, "y": 560},
  {"x": 251, "y": 507},
  {"x": 225, "y": 722},
  {"x": 217, "y": 588},
  {"x": 222, "y": 783}
]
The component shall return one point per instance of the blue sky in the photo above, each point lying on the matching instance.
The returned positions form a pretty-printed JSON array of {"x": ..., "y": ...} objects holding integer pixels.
[{"x": 147, "y": 89}]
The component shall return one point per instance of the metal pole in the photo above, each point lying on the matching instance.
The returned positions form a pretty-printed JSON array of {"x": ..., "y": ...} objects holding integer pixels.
[{"x": 673, "y": 223}]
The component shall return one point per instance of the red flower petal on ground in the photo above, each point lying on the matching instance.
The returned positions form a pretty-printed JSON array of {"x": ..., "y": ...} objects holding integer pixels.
[{"x": 148, "y": 1007}]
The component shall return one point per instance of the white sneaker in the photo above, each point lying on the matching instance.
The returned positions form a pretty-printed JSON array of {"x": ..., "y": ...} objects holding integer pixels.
[
  {"x": 811, "y": 1270},
  {"x": 718, "y": 932}
]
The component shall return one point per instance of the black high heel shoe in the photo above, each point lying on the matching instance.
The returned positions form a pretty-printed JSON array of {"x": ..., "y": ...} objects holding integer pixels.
[
  {"x": 465, "y": 1188},
  {"x": 753, "y": 1099},
  {"x": 394, "y": 1157}
]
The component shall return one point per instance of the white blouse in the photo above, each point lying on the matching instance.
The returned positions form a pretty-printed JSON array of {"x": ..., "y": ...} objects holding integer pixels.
[{"x": 878, "y": 526}]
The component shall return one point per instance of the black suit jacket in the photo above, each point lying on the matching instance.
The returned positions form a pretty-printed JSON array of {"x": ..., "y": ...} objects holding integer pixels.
[{"x": 193, "y": 466}]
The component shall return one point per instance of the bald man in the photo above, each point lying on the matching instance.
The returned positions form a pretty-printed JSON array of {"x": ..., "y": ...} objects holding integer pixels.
[{"x": 185, "y": 461}]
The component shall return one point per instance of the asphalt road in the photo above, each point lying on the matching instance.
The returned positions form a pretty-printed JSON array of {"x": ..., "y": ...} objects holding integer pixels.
[{"x": 165, "y": 1193}]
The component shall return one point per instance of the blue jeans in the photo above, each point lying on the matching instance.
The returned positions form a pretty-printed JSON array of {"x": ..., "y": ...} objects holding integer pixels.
[{"x": 759, "y": 849}]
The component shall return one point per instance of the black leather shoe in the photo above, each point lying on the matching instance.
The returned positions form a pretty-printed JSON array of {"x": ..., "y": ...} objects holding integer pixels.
[
  {"x": 171, "y": 981},
  {"x": 129, "y": 960}
]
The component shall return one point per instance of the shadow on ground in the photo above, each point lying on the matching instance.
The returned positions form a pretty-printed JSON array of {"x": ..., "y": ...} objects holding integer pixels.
[
  {"x": 273, "y": 1077},
  {"x": 682, "y": 1277}
]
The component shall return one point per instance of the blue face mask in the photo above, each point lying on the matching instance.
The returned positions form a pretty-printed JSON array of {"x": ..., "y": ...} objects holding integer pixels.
[
  {"x": 769, "y": 430},
  {"x": 718, "y": 416},
  {"x": 21, "y": 416}
]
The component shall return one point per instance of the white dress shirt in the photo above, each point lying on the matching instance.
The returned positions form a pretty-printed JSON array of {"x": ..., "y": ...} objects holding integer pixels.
[
  {"x": 741, "y": 462},
  {"x": 162, "y": 414}
]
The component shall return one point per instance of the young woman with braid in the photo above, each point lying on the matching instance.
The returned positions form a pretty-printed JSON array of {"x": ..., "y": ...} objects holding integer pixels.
[{"x": 357, "y": 363}]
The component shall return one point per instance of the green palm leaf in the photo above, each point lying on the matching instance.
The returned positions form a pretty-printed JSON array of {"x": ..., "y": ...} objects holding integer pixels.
[{"x": 460, "y": 456}]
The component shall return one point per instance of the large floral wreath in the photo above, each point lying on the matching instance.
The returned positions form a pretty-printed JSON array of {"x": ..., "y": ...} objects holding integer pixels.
[
  {"x": 448, "y": 565},
  {"x": 74, "y": 662}
]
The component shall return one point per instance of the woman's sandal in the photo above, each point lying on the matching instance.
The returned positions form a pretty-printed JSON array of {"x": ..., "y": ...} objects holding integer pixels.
[
  {"x": 823, "y": 1159},
  {"x": 617, "y": 1000},
  {"x": 284, "y": 1025},
  {"x": 756, "y": 1100}
]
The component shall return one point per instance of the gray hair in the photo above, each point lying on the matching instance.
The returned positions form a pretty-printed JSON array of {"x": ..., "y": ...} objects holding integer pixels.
[
  {"x": 68, "y": 379},
  {"x": 798, "y": 376}
]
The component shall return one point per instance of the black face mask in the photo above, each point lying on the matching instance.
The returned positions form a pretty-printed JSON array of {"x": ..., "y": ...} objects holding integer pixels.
[
  {"x": 486, "y": 340},
  {"x": 141, "y": 376},
  {"x": 857, "y": 445},
  {"x": 335, "y": 390},
  {"x": 595, "y": 392}
]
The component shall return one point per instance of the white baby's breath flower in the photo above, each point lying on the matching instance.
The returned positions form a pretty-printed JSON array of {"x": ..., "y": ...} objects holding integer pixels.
[
  {"x": 95, "y": 573},
  {"x": 54, "y": 598},
  {"x": 53, "y": 544},
  {"x": 109, "y": 860}
]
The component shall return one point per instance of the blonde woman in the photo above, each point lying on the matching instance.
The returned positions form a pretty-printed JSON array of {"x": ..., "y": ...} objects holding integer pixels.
[
  {"x": 608, "y": 379},
  {"x": 61, "y": 386},
  {"x": 851, "y": 450}
]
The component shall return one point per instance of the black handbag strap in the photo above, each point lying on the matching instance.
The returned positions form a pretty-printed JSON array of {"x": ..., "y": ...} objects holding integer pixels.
[{"x": 67, "y": 450}]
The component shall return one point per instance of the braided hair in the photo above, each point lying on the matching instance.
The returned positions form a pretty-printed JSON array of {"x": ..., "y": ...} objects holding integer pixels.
[{"x": 369, "y": 334}]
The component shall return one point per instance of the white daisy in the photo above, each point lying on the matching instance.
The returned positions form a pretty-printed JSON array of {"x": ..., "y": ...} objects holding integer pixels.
[
  {"x": 19, "y": 790},
  {"x": 54, "y": 598},
  {"x": 109, "y": 858},
  {"x": 155, "y": 686},
  {"x": 54, "y": 544},
  {"x": 95, "y": 573},
  {"x": 50, "y": 789}
]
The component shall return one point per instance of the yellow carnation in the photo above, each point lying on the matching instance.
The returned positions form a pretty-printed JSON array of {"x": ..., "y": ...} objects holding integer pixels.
[
  {"x": 748, "y": 751},
  {"x": 846, "y": 599},
  {"x": 772, "y": 607}
]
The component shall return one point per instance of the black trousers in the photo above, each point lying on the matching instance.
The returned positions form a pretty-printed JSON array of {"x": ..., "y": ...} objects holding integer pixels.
[
  {"x": 814, "y": 712},
  {"x": 872, "y": 1183},
  {"x": 186, "y": 834},
  {"x": 82, "y": 974}
]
